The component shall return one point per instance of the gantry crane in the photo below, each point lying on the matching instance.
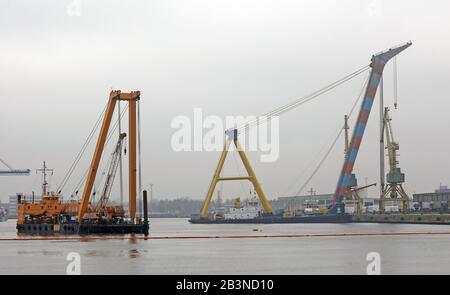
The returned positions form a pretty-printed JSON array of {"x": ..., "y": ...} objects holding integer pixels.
[
  {"x": 377, "y": 65},
  {"x": 393, "y": 190},
  {"x": 132, "y": 98},
  {"x": 12, "y": 171}
]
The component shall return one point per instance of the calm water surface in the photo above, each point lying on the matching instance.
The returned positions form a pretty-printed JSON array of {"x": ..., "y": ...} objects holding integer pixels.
[{"x": 412, "y": 254}]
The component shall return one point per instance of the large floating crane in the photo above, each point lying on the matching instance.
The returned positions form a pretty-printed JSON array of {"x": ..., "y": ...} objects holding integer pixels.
[{"x": 377, "y": 65}]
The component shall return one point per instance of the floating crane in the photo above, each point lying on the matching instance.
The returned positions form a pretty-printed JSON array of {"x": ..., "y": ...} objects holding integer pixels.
[
  {"x": 12, "y": 171},
  {"x": 378, "y": 63},
  {"x": 393, "y": 190},
  {"x": 51, "y": 214}
]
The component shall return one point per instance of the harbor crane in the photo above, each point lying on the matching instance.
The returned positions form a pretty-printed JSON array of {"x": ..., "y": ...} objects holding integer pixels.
[
  {"x": 12, "y": 171},
  {"x": 377, "y": 65},
  {"x": 393, "y": 190}
]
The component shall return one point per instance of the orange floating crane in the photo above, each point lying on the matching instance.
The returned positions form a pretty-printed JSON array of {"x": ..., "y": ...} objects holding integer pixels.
[{"x": 52, "y": 214}]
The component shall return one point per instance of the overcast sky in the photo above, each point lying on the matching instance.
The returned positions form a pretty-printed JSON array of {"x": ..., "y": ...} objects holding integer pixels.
[{"x": 228, "y": 58}]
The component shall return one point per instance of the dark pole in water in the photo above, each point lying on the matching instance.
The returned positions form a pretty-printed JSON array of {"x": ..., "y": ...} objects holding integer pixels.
[{"x": 146, "y": 226}]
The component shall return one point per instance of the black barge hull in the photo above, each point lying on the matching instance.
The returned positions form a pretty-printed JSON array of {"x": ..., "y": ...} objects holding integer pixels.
[{"x": 82, "y": 229}]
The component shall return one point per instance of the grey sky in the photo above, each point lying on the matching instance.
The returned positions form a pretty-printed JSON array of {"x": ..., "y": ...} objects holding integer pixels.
[{"x": 229, "y": 58}]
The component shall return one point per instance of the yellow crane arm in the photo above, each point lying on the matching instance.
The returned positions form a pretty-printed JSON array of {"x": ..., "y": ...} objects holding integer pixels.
[{"x": 391, "y": 145}]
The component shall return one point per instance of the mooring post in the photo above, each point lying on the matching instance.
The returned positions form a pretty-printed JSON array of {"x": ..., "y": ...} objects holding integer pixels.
[{"x": 146, "y": 225}]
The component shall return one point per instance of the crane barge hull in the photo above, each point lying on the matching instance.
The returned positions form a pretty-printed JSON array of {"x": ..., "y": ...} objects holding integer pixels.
[
  {"x": 85, "y": 229},
  {"x": 326, "y": 218}
]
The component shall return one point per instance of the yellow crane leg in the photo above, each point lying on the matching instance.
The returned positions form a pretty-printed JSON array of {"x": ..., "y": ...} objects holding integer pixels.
[
  {"x": 216, "y": 177},
  {"x": 132, "y": 158},
  {"x": 265, "y": 203}
]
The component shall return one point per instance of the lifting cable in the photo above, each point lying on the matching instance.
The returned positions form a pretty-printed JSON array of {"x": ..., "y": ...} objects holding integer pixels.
[
  {"x": 395, "y": 81},
  {"x": 334, "y": 141},
  {"x": 80, "y": 153},
  {"x": 340, "y": 132},
  {"x": 111, "y": 132},
  {"x": 99, "y": 181},
  {"x": 290, "y": 106}
]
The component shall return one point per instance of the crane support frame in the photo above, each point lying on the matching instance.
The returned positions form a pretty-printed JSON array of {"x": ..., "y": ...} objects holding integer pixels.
[
  {"x": 114, "y": 96},
  {"x": 232, "y": 137},
  {"x": 378, "y": 63}
]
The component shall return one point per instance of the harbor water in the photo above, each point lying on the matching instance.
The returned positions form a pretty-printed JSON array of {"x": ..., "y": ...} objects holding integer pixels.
[{"x": 177, "y": 247}]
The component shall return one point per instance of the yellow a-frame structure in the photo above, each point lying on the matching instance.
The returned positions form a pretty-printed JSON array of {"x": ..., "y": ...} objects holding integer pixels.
[{"x": 232, "y": 137}]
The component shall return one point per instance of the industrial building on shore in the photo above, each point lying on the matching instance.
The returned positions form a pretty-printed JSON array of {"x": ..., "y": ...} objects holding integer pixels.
[{"x": 437, "y": 200}]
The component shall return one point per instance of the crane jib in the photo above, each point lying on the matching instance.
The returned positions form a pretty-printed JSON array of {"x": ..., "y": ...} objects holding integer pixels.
[{"x": 377, "y": 65}]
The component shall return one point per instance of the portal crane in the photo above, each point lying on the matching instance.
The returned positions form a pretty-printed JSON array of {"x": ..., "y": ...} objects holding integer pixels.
[
  {"x": 393, "y": 190},
  {"x": 377, "y": 65},
  {"x": 12, "y": 172}
]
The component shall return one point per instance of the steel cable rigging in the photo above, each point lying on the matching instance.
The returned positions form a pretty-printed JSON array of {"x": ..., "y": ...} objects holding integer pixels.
[
  {"x": 111, "y": 132},
  {"x": 334, "y": 141},
  {"x": 298, "y": 102},
  {"x": 80, "y": 153}
]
